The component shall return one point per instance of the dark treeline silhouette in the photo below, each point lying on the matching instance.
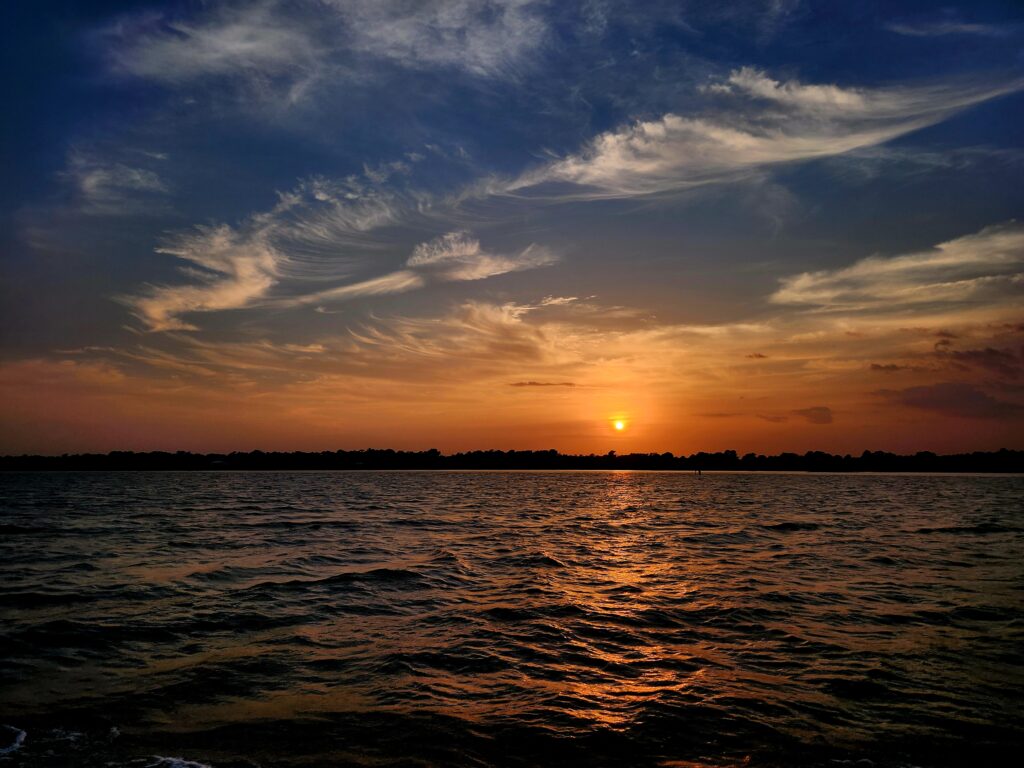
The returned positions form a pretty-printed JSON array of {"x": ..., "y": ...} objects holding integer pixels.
[{"x": 812, "y": 461}]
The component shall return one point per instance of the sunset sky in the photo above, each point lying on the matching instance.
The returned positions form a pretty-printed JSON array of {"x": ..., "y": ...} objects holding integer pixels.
[{"x": 316, "y": 224}]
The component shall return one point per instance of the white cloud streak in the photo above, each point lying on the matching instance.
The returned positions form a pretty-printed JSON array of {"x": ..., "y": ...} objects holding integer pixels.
[
  {"x": 776, "y": 123},
  {"x": 453, "y": 257},
  {"x": 984, "y": 267},
  {"x": 108, "y": 187},
  {"x": 234, "y": 270},
  {"x": 303, "y": 40},
  {"x": 948, "y": 27},
  {"x": 483, "y": 37},
  {"x": 320, "y": 232},
  {"x": 255, "y": 40},
  {"x": 457, "y": 256}
]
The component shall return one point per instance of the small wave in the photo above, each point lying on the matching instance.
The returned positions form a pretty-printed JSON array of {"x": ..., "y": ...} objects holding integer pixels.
[
  {"x": 374, "y": 575},
  {"x": 855, "y": 689},
  {"x": 883, "y": 560},
  {"x": 979, "y": 528},
  {"x": 533, "y": 560},
  {"x": 722, "y": 538},
  {"x": 17, "y": 739},
  {"x": 554, "y": 611},
  {"x": 41, "y": 599},
  {"x": 312, "y": 525},
  {"x": 789, "y": 526},
  {"x": 13, "y": 529}
]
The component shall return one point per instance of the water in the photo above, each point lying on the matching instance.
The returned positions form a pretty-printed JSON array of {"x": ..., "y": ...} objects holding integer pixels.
[{"x": 403, "y": 618}]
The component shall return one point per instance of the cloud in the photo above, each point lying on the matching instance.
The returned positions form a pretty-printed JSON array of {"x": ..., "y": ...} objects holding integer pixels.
[
  {"x": 313, "y": 233},
  {"x": 394, "y": 282},
  {"x": 949, "y": 27},
  {"x": 819, "y": 414},
  {"x": 482, "y": 336},
  {"x": 986, "y": 267},
  {"x": 542, "y": 384},
  {"x": 229, "y": 40},
  {"x": 999, "y": 361},
  {"x": 483, "y": 37},
  {"x": 952, "y": 399},
  {"x": 458, "y": 256},
  {"x": 233, "y": 271},
  {"x": 322, "y": 231},
  {"x": 453, "y": 257},
  {"x": 108, "y": 187},
  {"x": 558, "y": 301},
  {"x": 297, "y": 42},
  {"x": 774, "y": 123}
]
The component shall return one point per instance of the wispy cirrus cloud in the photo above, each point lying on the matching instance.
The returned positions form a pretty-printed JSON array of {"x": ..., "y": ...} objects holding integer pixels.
[
  {"x": 486, "y": 38},
  {"x": 458, "y": 256},
  {"x": 232, "y": 40},
  {"x": 773, "y": 123},
  {"x": 320, "y": 232},
  {"x": 230, "y": 270},
  {"x": 109, "y": 186},
  {"x": 297, "y": 42},
  {"x": 324, "y": 230},
  {"x": 452, "y": 257},
  {"x": 946, "y": 27},
  {"x": 987, "y": 266}
]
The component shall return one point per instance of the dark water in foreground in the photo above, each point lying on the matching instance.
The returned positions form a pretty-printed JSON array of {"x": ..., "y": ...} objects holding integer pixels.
[{"x": 308, "y": 619}]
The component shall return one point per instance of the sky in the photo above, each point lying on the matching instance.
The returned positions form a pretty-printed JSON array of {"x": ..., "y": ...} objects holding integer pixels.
[{"x": 764, "y": 225}]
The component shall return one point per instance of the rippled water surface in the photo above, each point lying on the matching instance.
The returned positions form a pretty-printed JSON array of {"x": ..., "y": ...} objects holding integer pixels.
[{"x": 404, "y": 618}]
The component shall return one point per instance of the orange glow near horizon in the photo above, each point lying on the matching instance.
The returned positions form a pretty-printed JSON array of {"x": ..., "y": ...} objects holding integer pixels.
[{"x": 515, "y": 381}]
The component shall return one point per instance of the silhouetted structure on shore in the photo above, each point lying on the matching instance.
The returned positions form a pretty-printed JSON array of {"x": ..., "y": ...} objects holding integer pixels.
[{"x": 813, "y": 461}]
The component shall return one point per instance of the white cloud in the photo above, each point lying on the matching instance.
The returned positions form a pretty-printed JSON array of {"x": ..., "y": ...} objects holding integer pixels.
[
  {"x": 234, "y": 271},
  {"x": 321, "y": 232},
  {"x": 475, "y": 333},
  {"x": 230, "y": 40},
  {"x": 393, "y": 282},
  {"x": 948, "y": 27},
  {"x": 453, "y": 257},
  {"x": 317, "y": 231},
  {"x": 984, "y": 267},
  {"x": 457, "y": 256},
  {"x": 674, "y": 153},
  {"x": 108, "y": 187},
  {"x": 484, "y": 37},
  {"x": 301, "y": 41}
]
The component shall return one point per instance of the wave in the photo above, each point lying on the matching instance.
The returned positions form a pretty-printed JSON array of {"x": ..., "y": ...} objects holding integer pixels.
[
  {"x": 792, "y": 526},
  {"x": 175, "y": 762},
  {"x": 979, "y": 528},
  {"x": 17, "y": 738},
  {"x": 371, "y": 576},
  {"x": 14, "y": 529}
]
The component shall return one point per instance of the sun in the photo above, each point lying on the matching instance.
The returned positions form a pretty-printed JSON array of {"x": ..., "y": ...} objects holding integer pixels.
[{"x": 619, "y": 425}]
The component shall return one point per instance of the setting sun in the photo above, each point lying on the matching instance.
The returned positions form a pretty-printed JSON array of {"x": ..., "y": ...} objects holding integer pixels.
[{"x": 619, "y": 425}]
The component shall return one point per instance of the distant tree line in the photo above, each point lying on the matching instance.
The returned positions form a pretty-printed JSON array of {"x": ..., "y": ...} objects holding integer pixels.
[{"x": 813, "y": 461}]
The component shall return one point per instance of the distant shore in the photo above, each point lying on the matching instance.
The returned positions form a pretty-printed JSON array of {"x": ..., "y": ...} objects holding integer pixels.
[{"x": 1001, "y": 461}]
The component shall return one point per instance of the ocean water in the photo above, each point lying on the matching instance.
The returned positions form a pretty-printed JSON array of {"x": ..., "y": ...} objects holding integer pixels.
[{"x": 510, "y": 618}]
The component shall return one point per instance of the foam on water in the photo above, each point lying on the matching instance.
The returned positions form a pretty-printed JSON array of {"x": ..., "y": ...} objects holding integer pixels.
[
  {"x": 175, "y": 762},
  {"x": 16, "y": 738}
]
